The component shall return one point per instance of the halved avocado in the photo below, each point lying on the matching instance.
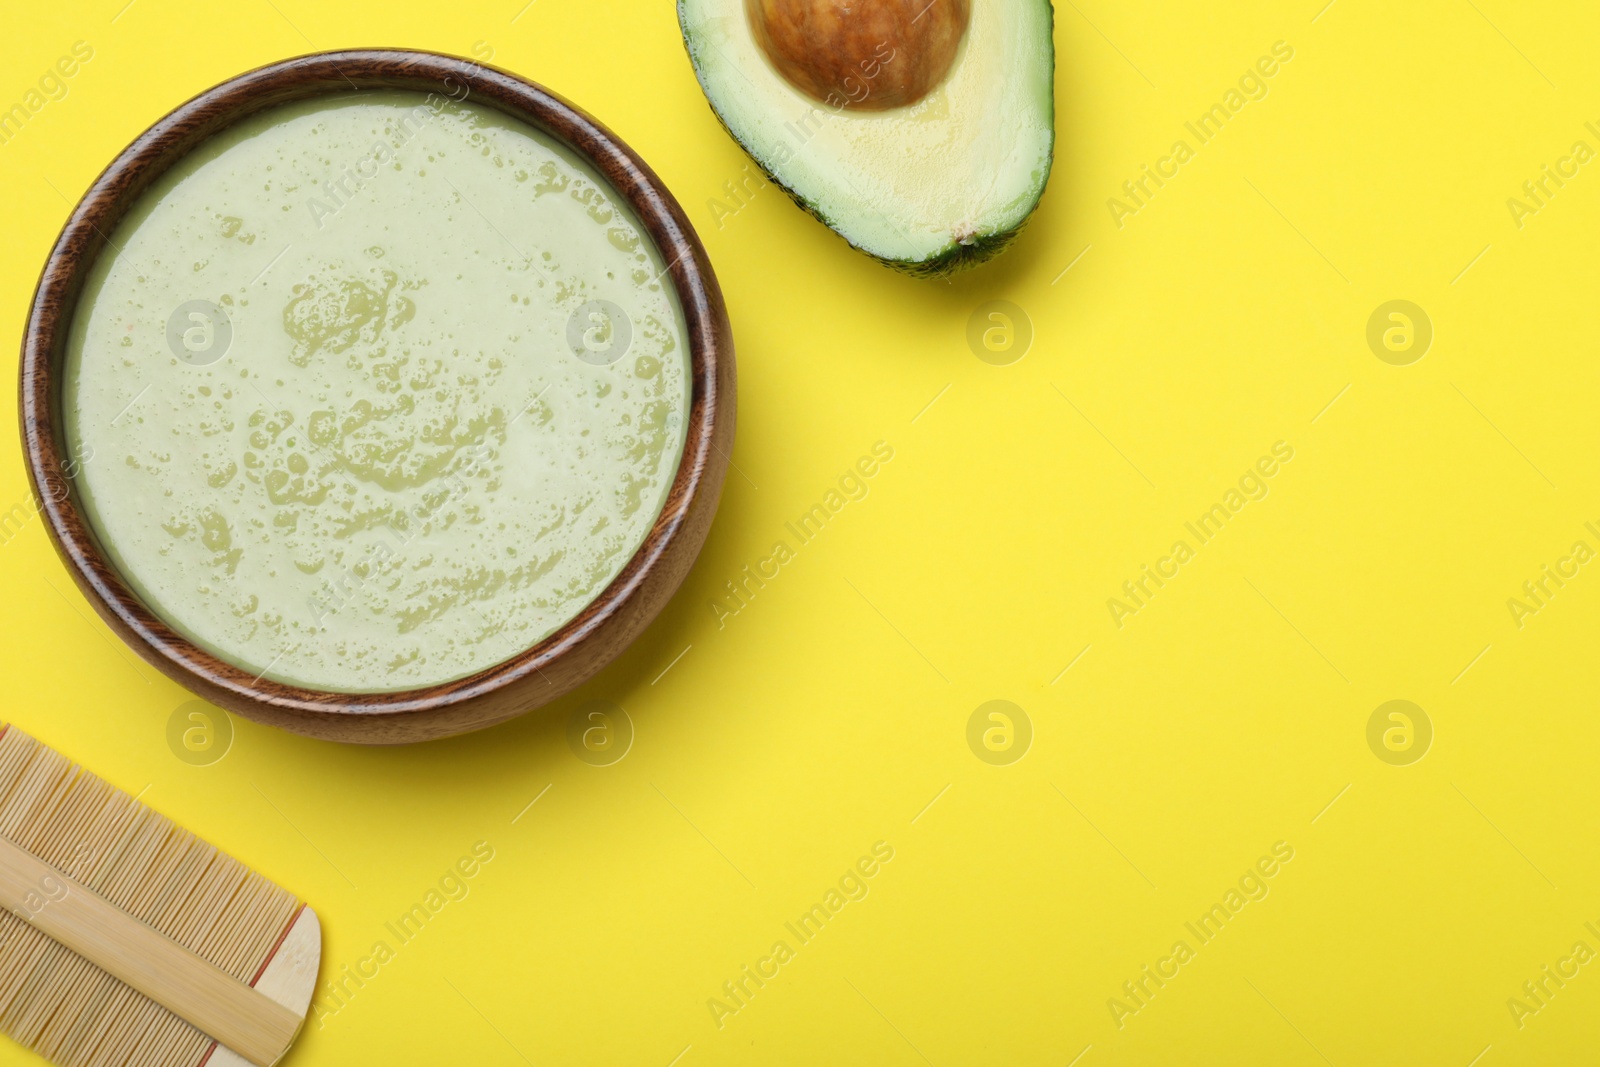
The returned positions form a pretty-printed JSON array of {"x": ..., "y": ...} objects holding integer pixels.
[{"x": 921, "y": 131}]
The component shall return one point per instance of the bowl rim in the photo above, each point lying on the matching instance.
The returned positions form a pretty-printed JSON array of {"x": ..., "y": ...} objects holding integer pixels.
[{"x": 638, "y": 588}]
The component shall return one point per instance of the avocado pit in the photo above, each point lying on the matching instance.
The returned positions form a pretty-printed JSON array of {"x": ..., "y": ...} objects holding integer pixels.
[{"x": 861, "y": 55}]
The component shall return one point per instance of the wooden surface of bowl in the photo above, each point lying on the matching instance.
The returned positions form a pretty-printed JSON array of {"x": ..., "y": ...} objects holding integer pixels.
[{"x": 557, "y": 664}]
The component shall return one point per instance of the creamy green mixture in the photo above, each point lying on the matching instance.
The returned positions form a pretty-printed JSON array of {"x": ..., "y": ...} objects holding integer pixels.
[{"x": 376, "y": 392}]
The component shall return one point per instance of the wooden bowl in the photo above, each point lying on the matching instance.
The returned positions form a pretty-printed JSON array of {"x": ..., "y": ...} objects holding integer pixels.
[{"x": 554, "y": 666}]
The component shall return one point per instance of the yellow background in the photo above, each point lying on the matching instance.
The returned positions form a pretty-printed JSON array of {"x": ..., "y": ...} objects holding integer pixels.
[{"x": 1225, "y": 716}]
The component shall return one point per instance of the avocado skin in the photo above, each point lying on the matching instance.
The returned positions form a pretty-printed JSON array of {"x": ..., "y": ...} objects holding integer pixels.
[{"x": 953, "y": 258}]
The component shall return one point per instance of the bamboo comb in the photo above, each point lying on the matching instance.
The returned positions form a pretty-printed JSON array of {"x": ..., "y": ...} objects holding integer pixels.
[{"x": 126, "y": 941}]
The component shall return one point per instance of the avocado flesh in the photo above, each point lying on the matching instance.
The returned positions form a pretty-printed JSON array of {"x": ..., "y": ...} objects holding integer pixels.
[{"x": 930, "y": 188}]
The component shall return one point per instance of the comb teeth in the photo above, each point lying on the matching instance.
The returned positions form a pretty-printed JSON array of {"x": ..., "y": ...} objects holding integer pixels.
[{"x": 57, "y": 1003}]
